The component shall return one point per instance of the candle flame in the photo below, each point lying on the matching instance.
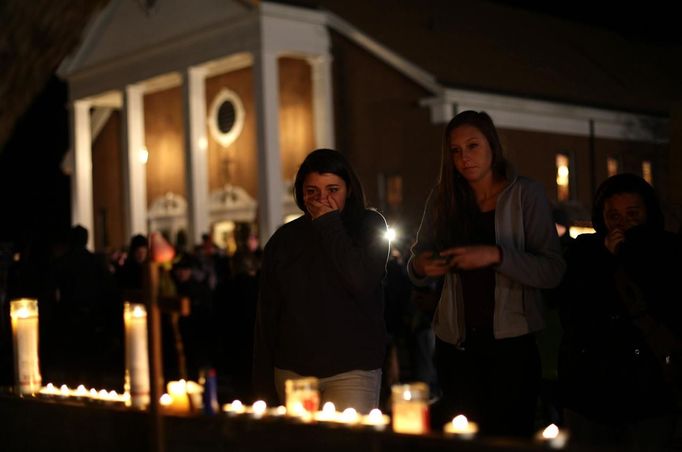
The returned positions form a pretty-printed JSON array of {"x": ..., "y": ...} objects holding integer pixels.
[
  {"x": 259, "y": 407},
  {"x": 329, "y": 408},
  {"x": 349, "y": 415},
  {"x": 551, "y": 432},
  {"x": 165, "y": 400},
  {"x": 460, "y": 422}
]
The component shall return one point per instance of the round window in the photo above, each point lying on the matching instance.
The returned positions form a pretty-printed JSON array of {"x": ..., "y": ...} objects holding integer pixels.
[{"x": 226, "y": 117}]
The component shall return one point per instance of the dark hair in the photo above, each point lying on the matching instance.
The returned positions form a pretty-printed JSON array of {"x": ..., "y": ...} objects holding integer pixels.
[
  {"x": 79, "y": 237},
  {"x": 138, "y": 241},
  {"x": 455, "y": 201},
  {"x": 330, "y": 161},
  {"x": 626, "y": 183}
]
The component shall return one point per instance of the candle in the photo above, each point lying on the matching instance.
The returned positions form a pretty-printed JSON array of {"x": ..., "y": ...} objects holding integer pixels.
[
  {"x": 553, "y": 436},
  {"x": 303, "y": 392},
  {"x": 81, "y": 391},
  {"x": 328, "y": 413},
  {"x": 49, "y": 390},
  {"x": 258, "y": 409},
  {"x": 24, "y": 315},
  {"x": 165, "y": 400},
  {"x": 136, "y": 354},
  {"x": 349, "y": 416},
  {"x": 177, "y": 390},
  {"x": 461, "y": 427},
  {"x": 376, "y": 419},
  {"x": 279, "y": 411},
  {"x": 236, "y": 407},
  {"x": 410, "y": 408}
]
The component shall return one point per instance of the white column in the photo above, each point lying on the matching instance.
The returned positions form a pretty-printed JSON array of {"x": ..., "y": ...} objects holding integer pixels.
[
  {"x": 134, "y": 171},
  {"x": 266, "y": 77},
  {"x": 81, "y": 178},
  {"x": 196, "y": 158},
  {"x": 323, "y": 105}
]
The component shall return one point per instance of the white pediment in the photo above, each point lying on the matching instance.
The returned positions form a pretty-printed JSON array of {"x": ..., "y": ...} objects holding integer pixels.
[
  {"x": 232, "y": 203},
  {"x": 126, "y": 43},
  {"x": 170, "y": 205}
]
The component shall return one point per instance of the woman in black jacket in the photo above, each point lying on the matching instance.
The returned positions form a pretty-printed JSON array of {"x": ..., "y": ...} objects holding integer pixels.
[
  {"x": 622, "y": 319},
  {"x": 320, "y": 307}
]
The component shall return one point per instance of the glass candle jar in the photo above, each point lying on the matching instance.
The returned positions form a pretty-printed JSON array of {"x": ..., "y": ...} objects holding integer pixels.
[
  {"x": 24, "y": 315},
  {"x": 302, "y": 396},
  {"x": 410, "y": 404}
]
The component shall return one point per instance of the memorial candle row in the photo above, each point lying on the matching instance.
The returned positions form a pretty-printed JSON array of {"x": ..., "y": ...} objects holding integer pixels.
[{"x": 410, "y": 402}]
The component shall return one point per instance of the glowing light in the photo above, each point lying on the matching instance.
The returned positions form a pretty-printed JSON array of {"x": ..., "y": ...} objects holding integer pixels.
[
  {"x": 259, "y": 408},
  {"x": 143, "y": 155},
  {"x": 390, "y": 234}
]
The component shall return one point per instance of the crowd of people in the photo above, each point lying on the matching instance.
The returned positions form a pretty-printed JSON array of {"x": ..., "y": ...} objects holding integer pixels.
[{"x": 463, "y": 309}]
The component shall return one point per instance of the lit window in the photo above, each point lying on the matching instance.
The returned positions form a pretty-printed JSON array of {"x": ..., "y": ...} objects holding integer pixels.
[
  {"x": 562, "y": 177},
  {"x": 612, "y": 166},
  {"x": 647, "y": 172},
  {"x": 394, "y": 190}
]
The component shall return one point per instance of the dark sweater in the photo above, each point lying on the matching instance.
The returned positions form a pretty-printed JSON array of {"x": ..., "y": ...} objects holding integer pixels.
[{"x": 320, "y": 307}]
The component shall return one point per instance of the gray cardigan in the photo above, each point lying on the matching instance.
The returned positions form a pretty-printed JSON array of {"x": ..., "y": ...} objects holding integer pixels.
[{"x": 531, "y": 261}]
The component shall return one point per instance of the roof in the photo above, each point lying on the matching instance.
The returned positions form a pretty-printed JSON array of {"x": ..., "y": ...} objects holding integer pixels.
[
  {"x": 491, "y": 47},
  {"x": 474, "y": 45}
]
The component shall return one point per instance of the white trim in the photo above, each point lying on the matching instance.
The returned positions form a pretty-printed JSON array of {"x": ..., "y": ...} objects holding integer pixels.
[
  {"x": 134, "y": 171},
  {"x": 518, "y": 113},
  {"x": 82, "y": 211},
  {"x": 229, "y": 36},
  {"x": 228, "y": 64},
  {"x": 226, "y": 138},
  {"x": 411, "y": 70},
  {"x": 293, "y": 13},
  {"x": 196, "y": 151},
  {"x": 323, "y": 102},
  {"x": 266, "y": 90},
  {"x": 93, "y": 29},
  {"x": 509, "y": 111}
]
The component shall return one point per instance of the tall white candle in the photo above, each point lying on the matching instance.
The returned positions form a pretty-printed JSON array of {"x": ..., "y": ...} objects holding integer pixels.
[
  {"x": 24, "y": 314},
  {"x": 136, "y": 354}
]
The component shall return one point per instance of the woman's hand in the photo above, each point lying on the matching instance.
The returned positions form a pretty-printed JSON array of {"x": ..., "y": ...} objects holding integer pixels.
[
  {"x": 613, "y": 240},
  {"x": 424, "y": 264},
  {"x": 320, "y": 206},
  {"x": 473, "y": 257}
]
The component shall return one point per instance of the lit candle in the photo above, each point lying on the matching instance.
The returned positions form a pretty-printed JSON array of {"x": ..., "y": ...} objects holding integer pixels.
[
  {"x": 279, "y": 411},
  {"x": 258, "y": 409},
  {"x": 553, "y": 436},
  {"x": 49, "y": 390},
  {"x": 81, "y": 391},
  {"x": 461, "y": 427},
  {"x": 165, "y": 400},
  {"x": 24, "y": 315},
  {"x": 136, "y": 354},
  {"x": 349, "y": 416},
  {"x": 328, "y": 413},
  {"x": 376, "y": 419},
  {"x": 410, "y": 408},
  {"x": 177, "y": 390},
  {"x": 303, "y": 392},
  {"x": 236, "y": 407}
]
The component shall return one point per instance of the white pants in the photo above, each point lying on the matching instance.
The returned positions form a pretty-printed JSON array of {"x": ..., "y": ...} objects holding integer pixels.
[{"x": 357, "y": 389}]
